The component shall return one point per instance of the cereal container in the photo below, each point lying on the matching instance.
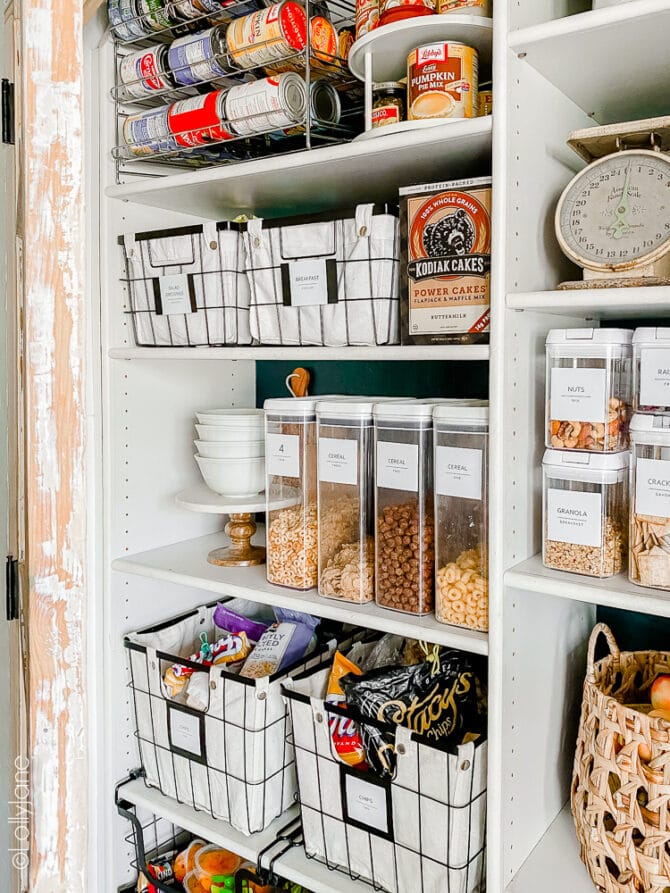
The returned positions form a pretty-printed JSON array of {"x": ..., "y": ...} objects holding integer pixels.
[
  {"x": 588, "y": 389},
  {"x": 404, "y": 542},
  {"x": 461, "y": 514},
  {"x": 649, "y": 560},
  {"x": 651, "y": 370},
  {"x": 290, "y": 450},
  {"x": 346, "y": 500},
  {"x": 585, "y": 510}
]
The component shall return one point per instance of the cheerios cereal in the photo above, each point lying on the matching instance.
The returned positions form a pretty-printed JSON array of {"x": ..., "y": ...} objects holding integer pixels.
[
  {"x": 462, "y": 592},
  {"x": 292, "y": 547}
]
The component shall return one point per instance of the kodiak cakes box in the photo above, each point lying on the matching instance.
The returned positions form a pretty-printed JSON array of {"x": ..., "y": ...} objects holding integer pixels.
[{"x": 445, "y": 264}]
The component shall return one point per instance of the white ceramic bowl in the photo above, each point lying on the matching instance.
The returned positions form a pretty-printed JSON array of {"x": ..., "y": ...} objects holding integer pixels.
[
  {"x": 222, "y": 434},
  {"x": 233, "y": 477},
  {"x": 218, "y": 450},
  {"x": 232, "y": 418}
]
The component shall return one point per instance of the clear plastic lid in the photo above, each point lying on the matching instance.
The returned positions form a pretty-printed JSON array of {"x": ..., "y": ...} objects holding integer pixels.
[
  {"x": 356, "y": 408},
  {"x": 652, "y": 429},
  {"x": 652, "y": 335},
  {"x": 474, "y": 412},
  {"x": 583, "y": 466},
  {"x": 587, "y": 342},
  {"x": 410, "y": 411},
  {"x": 299, "y": 406}
]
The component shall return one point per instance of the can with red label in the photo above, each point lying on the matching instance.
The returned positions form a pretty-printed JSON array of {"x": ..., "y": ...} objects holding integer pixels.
[
  {"x": 199, "y": 57},
  {"x": 146, "y": 71},
  {"x": 367, "y": 16},
  {"x": 268, "y": 35},
  {"x": 199, "y": 120},
  {"x": 395, "y": 10},
  {"x": 322, "y": 45},
  {"x": 149, "y": 133},
  {"x": 268, "y": 104},
  {"x": 442, "y": 81}
]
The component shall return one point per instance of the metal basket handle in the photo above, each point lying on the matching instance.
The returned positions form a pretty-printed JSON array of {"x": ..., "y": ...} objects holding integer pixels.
[{"x": 593, "y": 641}]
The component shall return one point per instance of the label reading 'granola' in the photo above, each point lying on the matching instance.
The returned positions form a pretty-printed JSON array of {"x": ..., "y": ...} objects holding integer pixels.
[{"x": 574, "y": 517}]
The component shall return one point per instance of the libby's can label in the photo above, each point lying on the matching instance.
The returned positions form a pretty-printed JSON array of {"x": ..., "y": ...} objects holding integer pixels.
[
  {"x": 148, "y": 133},
  {"x": 199, "y": 57},
  {"x": 442, "y": 81},
  {"x": 144, "y": 72},
  {"x": 268, "y": 35},
  {"x": 199, "y": 120}
]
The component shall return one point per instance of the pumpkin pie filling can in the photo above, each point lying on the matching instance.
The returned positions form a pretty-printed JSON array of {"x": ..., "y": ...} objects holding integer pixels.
[
  {"x": 271, "y": 103},
  {"x": 268, "y": 35},
  {"x": 199, "y": 120},
  {"x": 442, "y": 81},
  {"x": 445, "y": 268}
]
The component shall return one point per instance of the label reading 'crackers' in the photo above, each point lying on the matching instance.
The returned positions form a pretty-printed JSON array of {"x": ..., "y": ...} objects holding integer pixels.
[{"x": 448, "y": 262}]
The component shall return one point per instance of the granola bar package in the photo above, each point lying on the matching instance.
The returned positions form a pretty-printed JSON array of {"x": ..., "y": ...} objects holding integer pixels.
[{"x": 445, "y": 236}]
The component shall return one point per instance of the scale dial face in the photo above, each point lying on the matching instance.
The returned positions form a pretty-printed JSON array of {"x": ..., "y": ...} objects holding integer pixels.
[{"x": 615, "y": 214}]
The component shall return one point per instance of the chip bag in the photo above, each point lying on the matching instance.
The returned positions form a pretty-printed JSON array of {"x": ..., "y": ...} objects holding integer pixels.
[{"x": 344, "y": 731}]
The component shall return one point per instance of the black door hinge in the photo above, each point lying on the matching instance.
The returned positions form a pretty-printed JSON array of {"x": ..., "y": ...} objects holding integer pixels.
[
  {"x": 7, "y": 112},
  {"x": 12, "y": 587}
]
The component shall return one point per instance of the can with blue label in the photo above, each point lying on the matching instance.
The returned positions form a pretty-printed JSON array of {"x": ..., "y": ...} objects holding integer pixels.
[
  {"x": 148, "y": 133},
  {"x": 199, "y": 57},
  {"x": 124, "y": 19}
]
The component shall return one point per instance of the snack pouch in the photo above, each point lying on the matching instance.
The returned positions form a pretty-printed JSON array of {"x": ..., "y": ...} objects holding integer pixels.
[
  {"x": 229, "y": 649},
  {"x": 436, "y": 699},
  {"x": 282, "y": 645},
  {"x": 343, "y": 731},
  {"x": 232, "y": 622}
]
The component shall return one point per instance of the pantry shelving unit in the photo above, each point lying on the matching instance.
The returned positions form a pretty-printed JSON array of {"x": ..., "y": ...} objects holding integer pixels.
[{"x": 553, "y": 73}]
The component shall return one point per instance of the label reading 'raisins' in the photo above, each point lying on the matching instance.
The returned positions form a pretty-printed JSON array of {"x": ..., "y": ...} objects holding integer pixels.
[{"x": 655, "y": 377}]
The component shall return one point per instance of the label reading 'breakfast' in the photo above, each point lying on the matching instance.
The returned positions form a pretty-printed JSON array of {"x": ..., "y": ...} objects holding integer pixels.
[{"x": 574, "y": 517}]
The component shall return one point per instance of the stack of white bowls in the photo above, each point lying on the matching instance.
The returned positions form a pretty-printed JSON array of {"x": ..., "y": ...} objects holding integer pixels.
[{"x": 231, "y": 450}]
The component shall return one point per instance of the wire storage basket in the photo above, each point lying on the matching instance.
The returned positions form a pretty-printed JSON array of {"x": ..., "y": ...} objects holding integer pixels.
[
  {"x": 187, "y": 287},
  {"x": 421, "y": 831},
  {"x": 324, "y": 282},
  {"x": 232, "y": 759}
]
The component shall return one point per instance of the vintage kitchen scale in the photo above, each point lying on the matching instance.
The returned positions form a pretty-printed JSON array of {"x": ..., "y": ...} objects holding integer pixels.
[{"x": 613, "y": 218}]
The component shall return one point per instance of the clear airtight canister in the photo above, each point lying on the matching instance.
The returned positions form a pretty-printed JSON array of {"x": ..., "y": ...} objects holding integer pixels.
[
  {"x": 345, "y": 437},
  {"x": 588, "y": 389},
  {"x": 404, "y": 541},
  {"x": 461, "y": 436},
  {"x": 649, "y": 558},
  {"x": 651, "y": 370},
  {"x": 585, "y": 512}
]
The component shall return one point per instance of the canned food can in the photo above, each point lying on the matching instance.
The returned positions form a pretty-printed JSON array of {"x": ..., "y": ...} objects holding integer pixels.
[
  {"x": 323, "y": 49},
  {"x": 395, "y": 10},
  {"x": 156, "y": 16},
  {"x": 471, "y": 7},
  {"x": 124, "y": 19},
  {"x": 345, "y": 41},
  {"x": 227, "y": 10},
  {"x": 442, "y": 81},
  {"x": 199, "y": 57},
  {"x": 485, "y": 100},
  {"x": 148, "y": 132},
  {"x": 367, "y": 16},
  {"x": 325, "y": 110},
  {"x": 268, "y": 35},
  {"x": 144, "y": 72},
  {"x": 199, "y": 120},
  {"x": 267, "y": 104},
  {"x": 188, "y": 9}
]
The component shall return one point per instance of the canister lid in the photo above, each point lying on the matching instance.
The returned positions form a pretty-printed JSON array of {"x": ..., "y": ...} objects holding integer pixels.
[
  {"x": 355, "y": 408},
  {"x": 651, "y": 334},
  {"x": 472, "y": 412},
  {"x": 645, "y": 423},
  {"x": 571, "y": 460},
  {"x": 410, "y": 410},
  {"x": 298, "y": 406},
  {"x": 580, "y": 337}
]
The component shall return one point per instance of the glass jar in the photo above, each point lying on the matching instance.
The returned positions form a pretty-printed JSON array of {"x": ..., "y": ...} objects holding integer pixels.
[
  {"x": 404, "y": 541},
  {"x": 585, "y": 510},
  {"x": 588, "y": 389},
  {"x": 346, "y": 501},
  {"x": 649, "y": 557},
  {"x": 461, "y": 514},
  {"x": 388, "y": 103},
  {"x": 651, "y": 370}
]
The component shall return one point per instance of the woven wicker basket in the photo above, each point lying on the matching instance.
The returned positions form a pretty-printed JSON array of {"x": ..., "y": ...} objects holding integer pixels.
[{"x": 621, "y": 783}]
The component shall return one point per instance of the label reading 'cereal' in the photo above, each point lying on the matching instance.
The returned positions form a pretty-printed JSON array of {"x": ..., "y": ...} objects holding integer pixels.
[
  {"x": 574, "y": 517},
  {"x": 579, "y": 394},
  {"x": 458, "y": 472},
  {"x": 338, "y": 460},
  {"x": 652, "y": 487},
  {"x": 398, "y": 466}
]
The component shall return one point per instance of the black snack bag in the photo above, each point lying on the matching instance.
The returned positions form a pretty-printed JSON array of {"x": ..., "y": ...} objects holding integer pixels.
[{"x": 436, "y": 699}]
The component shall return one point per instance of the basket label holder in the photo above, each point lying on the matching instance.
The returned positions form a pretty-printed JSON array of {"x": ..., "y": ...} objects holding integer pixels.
[
  {"x": 311, "y": 282},
  {"x": 186, "y": 733},
  {"x": 367, "y": 803},
  {"x": 174, "y": 294}
]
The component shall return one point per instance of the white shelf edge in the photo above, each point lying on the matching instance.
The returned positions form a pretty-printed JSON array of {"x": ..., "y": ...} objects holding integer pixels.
[
  {"x": 591, "y": 20},
  {"x": 293, "y": 865},
  {"x": 391, "y": 352},
  {"x": 186, "y": 564},
  {"x": 595, "y": 302},
  {"x": 612, "y": 592}
]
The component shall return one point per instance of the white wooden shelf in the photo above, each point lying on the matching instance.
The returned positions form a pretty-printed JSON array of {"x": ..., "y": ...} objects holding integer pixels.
[
  {"x": 554, "y": 865},
  {"x": 612, "y": 62},
  {"x": 392, "y": 43},
  {"x": 186, "y": 563},
  {"x": 613, "y": 592},
  {"x": 596, "y": 303},
  {"x": 294, "y": 865},
  {"x": 322, "y": 179},
  {"x": 394, "y": 352}
]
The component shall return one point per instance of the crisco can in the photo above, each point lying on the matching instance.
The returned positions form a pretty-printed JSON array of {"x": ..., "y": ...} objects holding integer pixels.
[
  {"x": 367, "y": 16},
  {"x": 485, "y": 99},
  {"x": 124, "y": 19},
  {"x": 199, "y": 120},
  {"x": 268, "y": 35},
  {"x": 442, "y": 81},
  {"x": 199, "y": 57},
  {"x": 148, "y": 132},
  {"x": 144, "y": 72},
  {"x": 323, "y": 49},
  {"x": 268, "y": 104},
  {"x": 324, "y": 110}
]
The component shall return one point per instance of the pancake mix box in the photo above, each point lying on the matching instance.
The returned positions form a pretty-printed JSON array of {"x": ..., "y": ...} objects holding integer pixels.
[{"x": 445, "y": 284}]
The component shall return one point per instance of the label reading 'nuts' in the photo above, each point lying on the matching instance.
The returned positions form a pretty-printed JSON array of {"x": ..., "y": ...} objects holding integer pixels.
[{"x": 579, "y": 394}]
